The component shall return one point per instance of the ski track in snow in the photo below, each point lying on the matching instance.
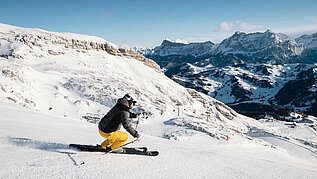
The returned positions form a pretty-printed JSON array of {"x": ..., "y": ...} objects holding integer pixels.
[
  {"x": 35, "y": 145},
  {"x": 291, "y": 147}
]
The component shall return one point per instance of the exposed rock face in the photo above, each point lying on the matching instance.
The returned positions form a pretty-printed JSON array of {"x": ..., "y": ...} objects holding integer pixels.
[
  {"x": 267, "y": 47},
  {"x": 45, "y": 40},
  {"x": 138, "y": 56},
  {"x": 170, "y": 53},
  {"x": 310, "y": 43},
  {"x": 240, "y": 48},
  {"x": 176, "y": 48},
  {"x": 256, "y": 44}
]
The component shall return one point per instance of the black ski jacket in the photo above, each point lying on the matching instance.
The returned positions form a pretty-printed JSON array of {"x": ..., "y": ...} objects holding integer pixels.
[{"x": 116, "y": 117}]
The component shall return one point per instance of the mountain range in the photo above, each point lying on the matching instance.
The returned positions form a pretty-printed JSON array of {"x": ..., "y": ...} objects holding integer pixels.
[{"x": 264, "y": 71}]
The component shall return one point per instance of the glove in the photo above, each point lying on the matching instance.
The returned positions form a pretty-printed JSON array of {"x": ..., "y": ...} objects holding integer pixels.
[{"x": 133, "y": 115}]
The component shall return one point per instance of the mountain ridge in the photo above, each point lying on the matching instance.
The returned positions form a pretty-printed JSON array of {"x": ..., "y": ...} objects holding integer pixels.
[
  {"x": 38, "y": 37},
  {"x": 247, "y": 60},
  {"x": 240, "y": 48}
]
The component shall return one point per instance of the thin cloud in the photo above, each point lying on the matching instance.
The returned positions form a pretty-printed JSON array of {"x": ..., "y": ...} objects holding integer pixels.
[
  {"x": 241, "y": 26},
  {"x": 225, "y": 27}
]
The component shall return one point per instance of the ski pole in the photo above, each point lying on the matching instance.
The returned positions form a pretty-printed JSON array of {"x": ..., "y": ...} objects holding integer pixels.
[{"x": 137, "y": 123}]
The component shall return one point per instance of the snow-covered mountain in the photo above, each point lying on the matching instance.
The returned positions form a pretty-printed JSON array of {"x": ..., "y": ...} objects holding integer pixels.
[
  {"x": 255, "y": 43},
  {"x": 170, "y": 52},
  {"x": 72, "y": 75},
  {"x": 240, "y": 48},
  {"x": 255, "y": 87},
  {"x": 267, "y": 47},
  {"x": 249, "y": 67},
  {"x": 180, "y": 47},
  {"x": 310, "y": 43},
  {"x": 21, "y": 43}
]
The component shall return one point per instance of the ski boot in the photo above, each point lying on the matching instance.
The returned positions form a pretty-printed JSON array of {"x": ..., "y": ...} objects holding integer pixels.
[{"x": 119, "y": 150}]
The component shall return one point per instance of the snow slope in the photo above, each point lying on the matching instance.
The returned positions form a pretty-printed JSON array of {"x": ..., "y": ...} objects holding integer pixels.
[
  {"x": 288, "y": 85},
  {"x": 35, "y": 145}
]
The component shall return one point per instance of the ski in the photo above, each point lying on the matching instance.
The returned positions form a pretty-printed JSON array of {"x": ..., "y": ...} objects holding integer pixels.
[
  {"x": 87, "y": 148},
  {"x": 126, "y": 150},
  {"x": 137, "y": 151}
]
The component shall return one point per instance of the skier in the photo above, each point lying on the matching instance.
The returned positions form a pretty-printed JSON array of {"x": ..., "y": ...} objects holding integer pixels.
[{"x": 112, "y": 121}]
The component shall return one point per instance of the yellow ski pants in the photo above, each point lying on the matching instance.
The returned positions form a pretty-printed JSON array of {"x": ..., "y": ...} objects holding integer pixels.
[{"x": 114, "y": 139}]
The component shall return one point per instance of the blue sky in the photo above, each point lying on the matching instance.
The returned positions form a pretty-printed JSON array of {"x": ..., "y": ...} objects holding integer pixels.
[{"x": 147, "y": 23}]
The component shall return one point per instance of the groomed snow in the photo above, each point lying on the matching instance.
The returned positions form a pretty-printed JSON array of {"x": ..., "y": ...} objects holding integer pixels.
[{"x": 35, "y": 145}]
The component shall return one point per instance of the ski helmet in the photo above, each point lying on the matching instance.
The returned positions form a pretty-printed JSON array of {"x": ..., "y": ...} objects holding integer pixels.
[{"x": 129, "y": 99}]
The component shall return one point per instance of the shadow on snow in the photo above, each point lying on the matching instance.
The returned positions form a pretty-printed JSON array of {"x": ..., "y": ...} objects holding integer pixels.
[{"x": 40, "y": 145}]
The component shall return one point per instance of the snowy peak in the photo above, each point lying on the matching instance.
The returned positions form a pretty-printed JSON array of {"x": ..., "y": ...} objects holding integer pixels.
[
  {"x": 4, "y": 28},
  {"x": 180, "y": 47},
  {"x": 240, "y": 48},
  {"x": 247, "y": 67},
  {"x": 253, "y": 43},
  {"x": 20, "y": 43},
  {"x": 176, "y": 41},
  {"x": 259, "y": 47},
  {"x": 179, "y": 51},
  {"x": 309, "y": 41}
]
